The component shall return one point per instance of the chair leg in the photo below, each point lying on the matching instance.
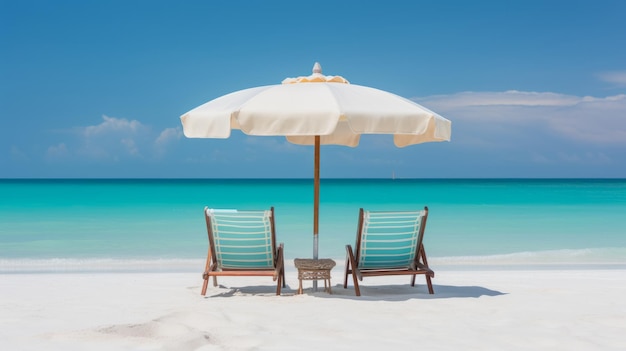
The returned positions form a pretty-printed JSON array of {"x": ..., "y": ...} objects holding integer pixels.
[
  {"x": 352, "y": 263},
  {"x": 345, "y": 276},
  {"x": 205, "y": 285},
  {"x": 207, "y": 269},
  {"x": 357, "y": 291},
  {"x": 283, "y": 274},
  {"x": 430, "y": 285},
  {"x": 413, "y": 280},
  {"x": 347, "y": 271},
  {"x": 279, "y": 284},
  {"x": 422, "y": 254}
]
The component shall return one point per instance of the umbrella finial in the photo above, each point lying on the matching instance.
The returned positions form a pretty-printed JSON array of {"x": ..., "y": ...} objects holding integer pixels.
[
  {"x": 316, "y": 77},
  {"x": 317, "y": 68}
]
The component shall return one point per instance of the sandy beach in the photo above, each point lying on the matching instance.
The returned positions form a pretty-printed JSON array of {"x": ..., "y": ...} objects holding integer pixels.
[{"x": 479, "y": 310}]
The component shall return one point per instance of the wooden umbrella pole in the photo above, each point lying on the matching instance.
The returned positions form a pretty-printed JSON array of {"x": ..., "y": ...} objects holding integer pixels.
[
  {"x": 316, "y": 197},
  {"x": 316, "y": 203}
]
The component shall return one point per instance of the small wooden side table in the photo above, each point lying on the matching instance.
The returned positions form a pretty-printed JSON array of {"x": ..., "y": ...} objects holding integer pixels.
[{"x": 312, "y": 269}]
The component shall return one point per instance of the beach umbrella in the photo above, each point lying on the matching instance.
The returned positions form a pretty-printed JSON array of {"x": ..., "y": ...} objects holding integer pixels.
[{"x": 316, "y": 110}]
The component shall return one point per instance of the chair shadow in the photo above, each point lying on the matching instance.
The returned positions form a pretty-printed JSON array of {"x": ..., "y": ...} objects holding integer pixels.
[
  {"x": 407, "y": 292},
  {"x": 452, "y": 291},
  {"x": 368, "y": 292},
  {"x": 260, "y": 290}
]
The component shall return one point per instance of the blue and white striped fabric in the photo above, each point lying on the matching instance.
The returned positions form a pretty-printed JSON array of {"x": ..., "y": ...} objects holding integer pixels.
[
  {"x": 242, "y": 239},
  {"x": 389, "y": 239}
]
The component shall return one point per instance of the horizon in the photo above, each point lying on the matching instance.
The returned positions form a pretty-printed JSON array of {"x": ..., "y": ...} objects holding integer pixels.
[{"x": 324, "y": 179}]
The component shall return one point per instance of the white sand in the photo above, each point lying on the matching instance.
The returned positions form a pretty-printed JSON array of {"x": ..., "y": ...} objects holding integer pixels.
[{"x": 484, "y": 310}]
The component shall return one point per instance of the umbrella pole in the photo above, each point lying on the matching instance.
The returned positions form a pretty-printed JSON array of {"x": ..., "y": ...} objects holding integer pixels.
[{"x": 316, "y": 202}]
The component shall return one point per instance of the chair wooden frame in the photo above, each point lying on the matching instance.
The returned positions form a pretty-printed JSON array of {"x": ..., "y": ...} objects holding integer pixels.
[
  {"x": 214, "y": 268},
  {"x": 418, "y": 266}
]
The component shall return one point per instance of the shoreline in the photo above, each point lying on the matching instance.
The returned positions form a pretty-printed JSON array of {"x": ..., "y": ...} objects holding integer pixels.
[
  {"x": 197, "y": 269},
  {"x": 566, "y": 259}
]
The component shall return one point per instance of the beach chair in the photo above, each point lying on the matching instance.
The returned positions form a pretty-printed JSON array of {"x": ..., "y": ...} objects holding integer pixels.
[
  {"x": 388, "y": 243},
  {"x": 242, "y": 243}
]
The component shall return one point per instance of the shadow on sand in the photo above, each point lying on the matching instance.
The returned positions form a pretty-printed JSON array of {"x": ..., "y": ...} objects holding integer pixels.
[
  {"x": 262, "y": 290},
  {"x": 406, "y": 292},
  {"x": 376, "y": 293}
]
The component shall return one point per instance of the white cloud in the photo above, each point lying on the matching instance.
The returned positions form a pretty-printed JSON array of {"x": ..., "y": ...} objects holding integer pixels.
[
  {"x": 506, "y": 98},
  {"x": 130, "y": 146},
  {"x": 614, "y": 77},
  {"x": 165, "y": 139},
  {"x": 112, "y": 139},
  {"x": 600, "y": 121},
  {"x": 168, "y": 135},
  {"x": 112, "y": 125}
]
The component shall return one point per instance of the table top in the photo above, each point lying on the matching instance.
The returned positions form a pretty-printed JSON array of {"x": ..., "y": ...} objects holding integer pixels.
[{"x": 310, "y": 263}]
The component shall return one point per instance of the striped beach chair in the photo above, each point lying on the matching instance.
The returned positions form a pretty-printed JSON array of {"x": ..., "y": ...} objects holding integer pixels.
[
  {"x": 388, "y": 243},
  {"x": 242, "y": 243}
]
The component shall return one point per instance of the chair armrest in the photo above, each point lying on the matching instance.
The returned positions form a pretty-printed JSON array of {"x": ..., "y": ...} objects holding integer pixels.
[{"x": 423, "y": 267}]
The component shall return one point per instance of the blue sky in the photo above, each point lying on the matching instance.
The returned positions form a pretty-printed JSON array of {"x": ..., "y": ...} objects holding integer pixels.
[{"x": 96, "y": 88}]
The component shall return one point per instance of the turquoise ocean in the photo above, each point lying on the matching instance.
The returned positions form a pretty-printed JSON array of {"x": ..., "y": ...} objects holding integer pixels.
[{"x": 98, "y": 225}]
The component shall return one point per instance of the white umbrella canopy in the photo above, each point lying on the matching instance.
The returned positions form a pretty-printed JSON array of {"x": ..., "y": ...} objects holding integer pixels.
[
  {"x": 314, "y": 110},
  {"x": 328, "y": 106}
]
